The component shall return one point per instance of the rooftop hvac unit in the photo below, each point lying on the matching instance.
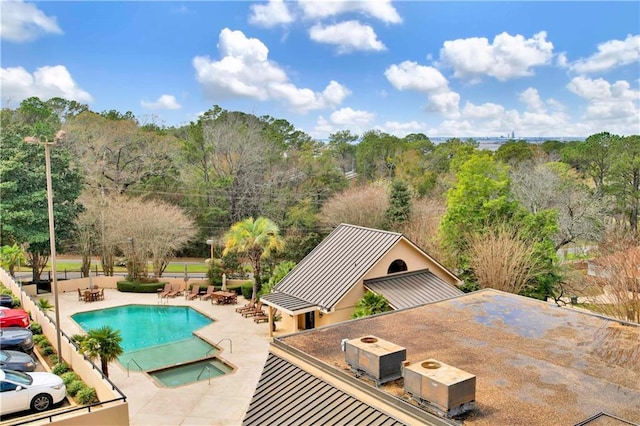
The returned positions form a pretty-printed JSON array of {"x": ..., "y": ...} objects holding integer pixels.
[
  {"x": 443, "y": 387},
  {"x": 377, "y": 358}
]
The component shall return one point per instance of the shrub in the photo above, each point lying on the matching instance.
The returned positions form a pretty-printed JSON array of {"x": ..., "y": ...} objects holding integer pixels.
[
  {"x": 75, "y": 386},
  {"x": 140, "y": 287},
  {"x": 60, "y": 368},
  {"x": 69, "y": 377},
  {"x": 53, "y": 359},
  {"x": 87, "y": 395},
  {"x": 247, "y": 290},
  {"x": 39, "y": 338},
  {"x": 36, "y": 329},
  {"x": 48, "y": 350}
]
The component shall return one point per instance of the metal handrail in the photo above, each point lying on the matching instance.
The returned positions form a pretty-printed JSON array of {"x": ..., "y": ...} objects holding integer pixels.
[
  {"x": 206, "y": 367},
  {"x": 135, "y": 362},
  {"x": 230, "y": 344}
]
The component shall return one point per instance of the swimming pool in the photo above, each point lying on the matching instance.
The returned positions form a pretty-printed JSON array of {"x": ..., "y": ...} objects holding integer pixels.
[
  {"x": 145, "y": 326},
  {"x": 159, "y": 341}
]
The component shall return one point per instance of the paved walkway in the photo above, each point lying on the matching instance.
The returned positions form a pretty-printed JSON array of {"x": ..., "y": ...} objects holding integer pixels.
[{"x": 224, "y": 401}]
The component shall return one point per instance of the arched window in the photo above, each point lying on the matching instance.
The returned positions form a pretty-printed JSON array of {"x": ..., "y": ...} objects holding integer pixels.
[{"x": 397, "y": 265}]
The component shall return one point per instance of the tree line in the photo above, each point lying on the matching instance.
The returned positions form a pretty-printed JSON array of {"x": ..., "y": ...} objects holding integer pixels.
[{"x": 149, "y": 192}]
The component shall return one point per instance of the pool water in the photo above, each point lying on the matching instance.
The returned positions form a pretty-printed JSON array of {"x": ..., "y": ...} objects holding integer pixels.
[
  {"x": 193, "y": 372},
  {"x": 159, "y": 340},
  {"x": 145, "y": 326}
]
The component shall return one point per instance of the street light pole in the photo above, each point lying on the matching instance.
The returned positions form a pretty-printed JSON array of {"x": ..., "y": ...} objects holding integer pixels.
[{"x": 52, "y": 233}]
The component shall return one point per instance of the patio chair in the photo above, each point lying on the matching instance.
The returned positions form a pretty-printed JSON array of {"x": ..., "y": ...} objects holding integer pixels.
[
  {"x": 101, "y": 295},
  {"x": 248, "y": 306},
  {"x": 80, "y": 296},
  {"x": 263, "y": 317},
  {"x": 195, "y": 289},
  {"x": 209, "y": 293},
  {"x": 253, "y": 312},
  {"x": 176, "y": 290},
  {"x": 166, "y": 291}
]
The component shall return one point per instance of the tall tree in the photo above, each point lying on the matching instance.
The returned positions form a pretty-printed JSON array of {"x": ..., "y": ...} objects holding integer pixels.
[
  {"x": 25, "y": 218},
  {"x": 399, "y": 209},
  {"x": 624, "y": 179},
  {"x": 255, "y": 239}
]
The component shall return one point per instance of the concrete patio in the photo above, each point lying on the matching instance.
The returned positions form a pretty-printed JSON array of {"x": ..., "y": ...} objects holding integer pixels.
[{"x": 243, "y": 343}]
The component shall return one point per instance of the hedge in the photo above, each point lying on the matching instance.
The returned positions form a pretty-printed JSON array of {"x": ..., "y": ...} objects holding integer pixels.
[{"x": 136, "y": 287}]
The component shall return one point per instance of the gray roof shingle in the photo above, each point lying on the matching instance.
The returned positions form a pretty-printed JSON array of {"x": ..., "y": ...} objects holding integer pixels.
[
  {"x": 326, "y": 274},
  {"x": 409, "y": 289}
]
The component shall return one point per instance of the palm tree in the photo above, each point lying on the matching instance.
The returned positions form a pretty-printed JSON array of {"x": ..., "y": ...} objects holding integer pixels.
[
  {"x": 103, "y": 343},
  {"x": 371, "y": 304},
  {"x": 10, "y": 256},
  {"x": 255, "y": 239}
]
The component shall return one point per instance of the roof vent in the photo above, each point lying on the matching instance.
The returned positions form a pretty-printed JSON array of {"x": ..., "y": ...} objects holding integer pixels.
[
  {"x": 439, "y": 386},
  {"x": 376, "y": 358}
]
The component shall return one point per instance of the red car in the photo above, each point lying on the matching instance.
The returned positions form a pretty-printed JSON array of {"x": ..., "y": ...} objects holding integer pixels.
[{"x": 14, "y": 318}]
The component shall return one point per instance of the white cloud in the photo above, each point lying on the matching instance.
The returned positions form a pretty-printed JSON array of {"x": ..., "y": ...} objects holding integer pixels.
[
  {"x": 274, "y": 13},
  {"x": 531, "y": 99},
  {"x": 611, "y": 54},
  {"x": 507, "y": 57},
  {"x": 246, "y": 71},
  {"x": 21, "y": 22},
  {"x": 485, "y": 111},
  {"x": 357, "y": 121},
  {"x": 349, "y": 36},
  {"x": 611, "y": 106},
  {"x": 402, "y": 129},
  {"x": 46, "y": 83},
  {"x": 379, "y": 9},
  {"x": 409, "y": 75},
  {"x": 163, "y": 102}
]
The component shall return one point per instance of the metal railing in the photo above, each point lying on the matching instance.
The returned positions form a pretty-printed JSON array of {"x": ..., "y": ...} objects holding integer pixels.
[
  {"x": 208, "y": 370},
  {"x": 135, "y": 362}
]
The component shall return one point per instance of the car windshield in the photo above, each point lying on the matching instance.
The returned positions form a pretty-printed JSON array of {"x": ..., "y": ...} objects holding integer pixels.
[
  {"x": 4, "y": 356},
  {"x": 18, "y": 377}
]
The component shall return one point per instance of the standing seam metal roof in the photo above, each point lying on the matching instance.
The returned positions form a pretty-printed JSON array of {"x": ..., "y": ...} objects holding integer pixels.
[
  {"x": 288, "y": 395},
  {"x": 326, "y": 274},
  {"x": 410, "y": 289}
]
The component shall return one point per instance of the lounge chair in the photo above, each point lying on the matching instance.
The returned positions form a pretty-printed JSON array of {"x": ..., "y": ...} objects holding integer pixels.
[
  {"x": 176, "y": 290},
  {"x": 248, "y": 306},
  {"x": 166, "y": 291},
  {"x": 263, "y": 317},
  {"x": 253, "y": 312},
  {"x": 195, "y": 289},
  {"x": 209, "y": 293}
]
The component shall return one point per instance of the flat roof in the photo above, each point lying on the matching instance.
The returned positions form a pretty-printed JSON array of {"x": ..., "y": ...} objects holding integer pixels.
[{"x": 533, "y": 361}]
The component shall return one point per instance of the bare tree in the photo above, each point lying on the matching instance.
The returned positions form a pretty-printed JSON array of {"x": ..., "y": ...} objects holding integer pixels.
[
  {"x": 617, "y": 273},
  {"x": 422, "y": 225},
  {"x": 359, "y": 205},
  {"x": 539, "y": 186},
  {"x": 501, "y": 260}
]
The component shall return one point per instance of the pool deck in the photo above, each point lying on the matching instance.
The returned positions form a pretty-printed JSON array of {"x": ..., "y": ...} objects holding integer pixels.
[{"x": 244, "y": 344}]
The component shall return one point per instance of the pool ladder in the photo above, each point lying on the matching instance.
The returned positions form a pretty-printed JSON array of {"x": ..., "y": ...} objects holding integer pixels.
[
  {"x": 208, "y": 370},
  {"x": 135, "y": 362},
  {"x": 220, "y": 341}
]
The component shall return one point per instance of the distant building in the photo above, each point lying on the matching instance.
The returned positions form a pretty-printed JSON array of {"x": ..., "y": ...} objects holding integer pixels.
[{"x": 513, "y": 134}]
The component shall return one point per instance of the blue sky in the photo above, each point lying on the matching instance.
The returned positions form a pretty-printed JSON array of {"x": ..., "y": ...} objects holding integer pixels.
[{"x": 441, "y": 68}]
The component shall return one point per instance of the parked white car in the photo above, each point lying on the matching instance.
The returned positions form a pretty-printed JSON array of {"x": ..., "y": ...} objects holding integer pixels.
[{"x": 23, "y": 391}]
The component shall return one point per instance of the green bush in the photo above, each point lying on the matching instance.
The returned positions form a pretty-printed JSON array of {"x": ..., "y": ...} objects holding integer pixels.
[
  {"x": 139, "y": 287},
  {"x": 44, "y": 343},
  {"x": 36, "y": 329},
  {"x": 48, "y": 350},
  {"x": 87, "y": 395},
  {"x": 69, "y": 377},
  {"x": 39, "y": 338},
  {"x": 75, "y": 386},
  {"x": 60, "y": 368},
  {"x": 53, "y": 359},
  {"x": 247, "y": 289}
]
